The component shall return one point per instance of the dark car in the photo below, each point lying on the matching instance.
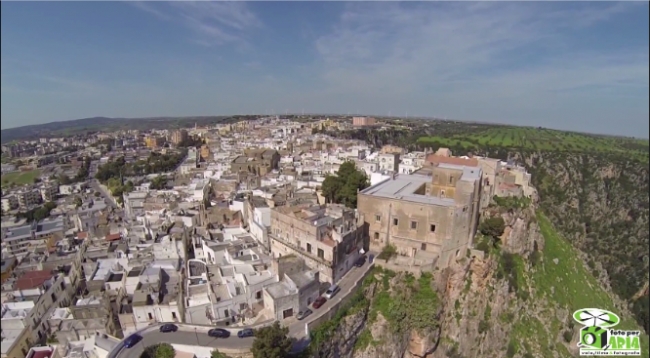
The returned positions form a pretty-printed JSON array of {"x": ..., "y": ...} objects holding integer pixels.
[
  {"x": 360, "y": 261},
  {"x": 246, "y": 332},
  {"x": 319, "y": 302},
  {"x": 303, "y": 314},
  {"x": 132, "y": 340},
  {"x": 219, "y": 333},
  {"x": 168, "y": 328}
]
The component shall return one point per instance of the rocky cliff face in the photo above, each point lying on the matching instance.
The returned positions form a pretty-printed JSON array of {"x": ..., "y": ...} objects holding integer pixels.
[
  {"x": 600, "y": 204},
  {"x": 514, "y": 300}
]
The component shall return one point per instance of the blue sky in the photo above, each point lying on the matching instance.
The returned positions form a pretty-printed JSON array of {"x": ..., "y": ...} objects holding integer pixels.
[{"x": 567, "y": 65}]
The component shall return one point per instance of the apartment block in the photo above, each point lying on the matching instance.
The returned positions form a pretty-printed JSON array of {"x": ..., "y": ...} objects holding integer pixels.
[
  {"x": 363, "y": 121},
  {"x": 28, "y": 198},
  {"x": 19, "y": 240},
  {"x": 328, "y": 238}
]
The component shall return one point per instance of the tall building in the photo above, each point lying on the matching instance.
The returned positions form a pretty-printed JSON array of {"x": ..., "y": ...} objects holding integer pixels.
[
  {"x": 179, "y": 136},
  {"x": 153, "y": 142},
  {"x": 363, "y": 121}
]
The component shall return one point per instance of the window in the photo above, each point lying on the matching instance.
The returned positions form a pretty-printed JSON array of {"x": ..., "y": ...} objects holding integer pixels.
[
  {"x": 150, "y": 315},
  {"x": 451, "y": 180},
  {"x": 377, "y": 218},
  {"x": 395, "y": 222},
  {"x": 258, "y": 295},
  {"x": 423, "y": 247},
  {"x": 309, "y": 248},
  {"x": 321, "y": 253},
  {"x": 226, "y": 313},
  {"x": 376, "y": 236},
  {"x": 174, "y": 315},
  {"x": 432, "y": 228},
  {"x": 414, "y": 225},
  {"x": 442, "y": 193}
]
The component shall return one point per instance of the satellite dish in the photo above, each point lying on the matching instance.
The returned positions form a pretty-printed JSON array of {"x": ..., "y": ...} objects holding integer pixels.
[{"x": 362, "y": 251}]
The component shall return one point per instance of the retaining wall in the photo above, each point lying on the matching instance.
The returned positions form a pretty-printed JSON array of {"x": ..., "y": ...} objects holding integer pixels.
[
  {"x": 329, "y": 314},
  {"x": 415, "y": 270}
]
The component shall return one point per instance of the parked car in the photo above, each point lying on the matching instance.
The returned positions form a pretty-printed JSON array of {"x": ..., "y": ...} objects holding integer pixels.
[
  {"x": 132, "y": 340},
  {"x": 360, "y": 261},
  {"x": 319, "y": 302},
  {"x": 246, "y": 332},
  {"x": 332, "y": 291},
  {"x": 303, "y": 314},
  {"x": 219, "y": 333},
  {"x": 168, "y": 328}
]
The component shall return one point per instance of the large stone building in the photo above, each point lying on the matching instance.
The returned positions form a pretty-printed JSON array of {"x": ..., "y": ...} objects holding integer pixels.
[
  {"x": 430, "y": 216},
  {"x": 329, "y": 238},
  {"x": 260, "y": 162}
]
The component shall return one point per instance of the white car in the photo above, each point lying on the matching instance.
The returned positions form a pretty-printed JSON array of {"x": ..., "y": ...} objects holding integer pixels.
[{"x": 332, "y": 291}]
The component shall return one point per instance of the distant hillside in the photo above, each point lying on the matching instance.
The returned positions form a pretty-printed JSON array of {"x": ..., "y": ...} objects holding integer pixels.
[{"x": 95, "y": 124}]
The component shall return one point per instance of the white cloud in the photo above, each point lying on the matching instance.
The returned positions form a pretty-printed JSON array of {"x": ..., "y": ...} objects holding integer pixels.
[
  {"x": 438, "y": 57},
  {"x": 212, "y": 23}
]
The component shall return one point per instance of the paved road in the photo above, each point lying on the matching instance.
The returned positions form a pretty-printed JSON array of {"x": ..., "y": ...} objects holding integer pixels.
[
  {"x": 97, "y": 187},
  {"x": 187, "y": 336}
]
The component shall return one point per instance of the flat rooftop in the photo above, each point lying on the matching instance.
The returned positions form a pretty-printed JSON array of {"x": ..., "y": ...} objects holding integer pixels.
[{"x": 403, "y": 187}]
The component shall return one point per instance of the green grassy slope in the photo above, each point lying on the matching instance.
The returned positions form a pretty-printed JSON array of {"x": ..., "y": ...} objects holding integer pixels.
[{"x": 567, "y": 284}]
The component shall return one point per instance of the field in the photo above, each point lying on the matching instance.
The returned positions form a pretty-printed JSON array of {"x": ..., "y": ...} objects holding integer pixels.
[
  {"x": 20, "y": 178},
  {"x": 541, "y": 139}
]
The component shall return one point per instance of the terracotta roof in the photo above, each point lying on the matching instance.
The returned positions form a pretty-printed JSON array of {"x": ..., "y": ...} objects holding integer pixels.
[
  {"x": 42, "y": 354},
  {"x": 82, "y": 235},
  {"x": 32, "y": 279},
  {"x": 113, "y": 237},
  {"x": 439, "y": 159}
]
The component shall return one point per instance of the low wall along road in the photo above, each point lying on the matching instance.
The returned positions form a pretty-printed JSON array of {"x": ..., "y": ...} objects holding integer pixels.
[{"x": 195, "y": 335}]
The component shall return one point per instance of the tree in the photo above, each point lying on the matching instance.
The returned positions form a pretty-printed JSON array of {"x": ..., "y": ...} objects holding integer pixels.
[
  {"x": 272, "y": 342},
  {"x": 159, "y": 182},
  {"x": 387, "y": 252},
  {"x": 64, "y": 179},
  {"x": 78, "y": 202},
  {"x": 331, "y": 186},
  {"x": 216, "y": 354},
  {"x": 493, "y": 227},
  {"x": 160, "y": 350},
  {"x": 343, "y": 188}
]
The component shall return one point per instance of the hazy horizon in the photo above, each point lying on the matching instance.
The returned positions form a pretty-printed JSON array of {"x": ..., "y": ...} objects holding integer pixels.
[{"x": 576, "y": 66}]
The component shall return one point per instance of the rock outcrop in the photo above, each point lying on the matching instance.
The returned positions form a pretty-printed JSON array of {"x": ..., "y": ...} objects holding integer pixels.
[{"x": 514, "y": 301}]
